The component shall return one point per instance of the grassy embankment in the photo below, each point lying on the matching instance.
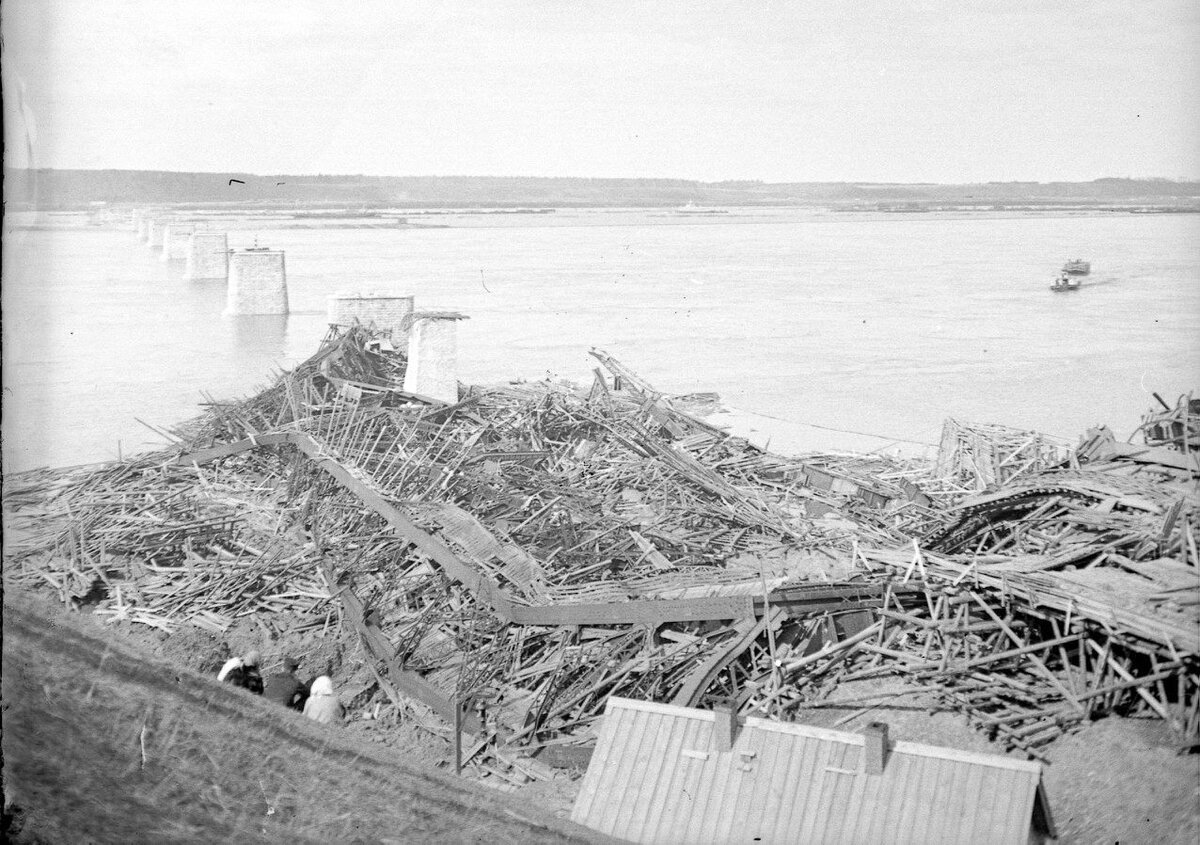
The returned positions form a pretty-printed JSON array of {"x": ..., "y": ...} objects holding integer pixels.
[{"x": 104, "y": 744}]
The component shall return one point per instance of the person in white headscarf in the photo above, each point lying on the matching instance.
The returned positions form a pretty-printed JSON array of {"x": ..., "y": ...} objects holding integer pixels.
[
  {"x": 243, "y": 672},
  {"x": 322, "y": 705}
]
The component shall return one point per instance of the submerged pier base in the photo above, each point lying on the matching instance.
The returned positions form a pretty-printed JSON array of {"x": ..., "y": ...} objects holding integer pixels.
[
  {"x": 175, "y": 240},
  {"x": 433, "y": 355},
  {"x": 257, "y": 282},
  {"x": 207, "y": 257},
  {"x": 385, "y": 311},
  {"x": 154, "y": 232}
]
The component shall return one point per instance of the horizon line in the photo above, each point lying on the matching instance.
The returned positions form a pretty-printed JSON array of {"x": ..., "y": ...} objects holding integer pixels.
[{"x": 1167, "y": 179}]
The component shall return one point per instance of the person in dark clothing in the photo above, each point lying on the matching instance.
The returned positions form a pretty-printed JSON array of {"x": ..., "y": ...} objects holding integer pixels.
[
  {"x": 244, "y": 673},
  {"x": 285, "y": 688}
]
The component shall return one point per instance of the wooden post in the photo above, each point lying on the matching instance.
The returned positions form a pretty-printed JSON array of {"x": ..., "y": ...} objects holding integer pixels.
[{"x": 458, "y": 725}]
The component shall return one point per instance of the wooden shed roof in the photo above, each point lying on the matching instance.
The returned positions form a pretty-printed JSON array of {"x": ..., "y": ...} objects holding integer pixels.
[{"x": 658, "y": 776}]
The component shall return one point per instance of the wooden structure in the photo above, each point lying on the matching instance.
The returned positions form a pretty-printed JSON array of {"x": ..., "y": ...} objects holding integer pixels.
[
  {"x": 668, "y": 774},
  {"x": 975, "y": 456}
]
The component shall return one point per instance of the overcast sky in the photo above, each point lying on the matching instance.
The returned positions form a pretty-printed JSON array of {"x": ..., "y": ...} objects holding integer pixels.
[{"x": 802, "y": 90}]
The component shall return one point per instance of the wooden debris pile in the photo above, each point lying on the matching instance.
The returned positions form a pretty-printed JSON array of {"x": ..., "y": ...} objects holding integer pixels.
[
  {"x": 1072, "y": 517},
  {"x": 1059, "y": 597},
  {"x": 509, "y": 561},
  {"x": 1087, "y": 577},
  {"x": 975, "y": 456},
  {"x": 534, "y": 544}
]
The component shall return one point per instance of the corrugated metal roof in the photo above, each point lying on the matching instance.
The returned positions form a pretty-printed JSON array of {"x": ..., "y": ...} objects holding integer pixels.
[{"x": 656, "y": 776}]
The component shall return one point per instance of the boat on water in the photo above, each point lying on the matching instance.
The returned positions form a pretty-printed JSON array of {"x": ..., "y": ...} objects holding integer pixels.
[
  {"x": 1071, "y": 275},
  {"x": 1066, "y": 281}
]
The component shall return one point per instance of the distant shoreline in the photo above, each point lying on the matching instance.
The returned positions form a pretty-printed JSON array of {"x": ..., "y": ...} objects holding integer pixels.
[
  {"x": 399, "y": 219},
  {"x": 51, "y": 189}
]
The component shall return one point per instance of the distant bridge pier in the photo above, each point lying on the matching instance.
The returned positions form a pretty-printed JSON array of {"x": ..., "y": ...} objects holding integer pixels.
[
  {"x": 207, "y": 257},
  {"x": 154, "y": 232},
  {"x": 257, "y": 282},
  {"x": 387, "y": 312},
  {"x": 175, "y": 241},
  {"x": 433, "y": 355}
]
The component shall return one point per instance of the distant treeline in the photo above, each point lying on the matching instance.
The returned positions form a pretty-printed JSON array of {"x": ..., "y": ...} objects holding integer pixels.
[{"x": 64, "y": 189}]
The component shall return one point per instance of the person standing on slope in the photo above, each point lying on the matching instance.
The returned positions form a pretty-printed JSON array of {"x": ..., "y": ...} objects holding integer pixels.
[
  {"x": 243, "y": 672},
  {"x": 285, "y": 688},
  {"x": 322, "y": 705}
]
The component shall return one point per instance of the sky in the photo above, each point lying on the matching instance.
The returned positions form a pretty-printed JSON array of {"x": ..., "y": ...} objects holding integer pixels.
[{"x": 858, "y": 90}]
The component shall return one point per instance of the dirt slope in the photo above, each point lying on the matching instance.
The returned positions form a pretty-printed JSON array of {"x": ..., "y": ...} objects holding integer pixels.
[{"x": 104, "y": 744}]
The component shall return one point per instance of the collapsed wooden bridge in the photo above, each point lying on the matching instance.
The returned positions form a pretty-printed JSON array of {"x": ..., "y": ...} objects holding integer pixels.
[{"x": 513, "y": 559}]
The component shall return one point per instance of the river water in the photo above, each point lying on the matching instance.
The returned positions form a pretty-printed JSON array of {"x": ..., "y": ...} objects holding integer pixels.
[{"x": 827, "y": 331}]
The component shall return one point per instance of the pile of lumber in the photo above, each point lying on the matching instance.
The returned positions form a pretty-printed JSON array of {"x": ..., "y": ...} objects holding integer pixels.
[
  {"x": 509, "y": 561},
  {"x": 976, "y": 456}
]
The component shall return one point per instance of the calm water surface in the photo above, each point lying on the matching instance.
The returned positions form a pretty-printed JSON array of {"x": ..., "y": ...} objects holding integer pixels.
[{"x": 883, "y": 324}]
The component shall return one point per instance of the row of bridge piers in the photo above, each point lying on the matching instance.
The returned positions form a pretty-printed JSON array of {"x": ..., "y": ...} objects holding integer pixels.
[{"x": 256, "y": 284}]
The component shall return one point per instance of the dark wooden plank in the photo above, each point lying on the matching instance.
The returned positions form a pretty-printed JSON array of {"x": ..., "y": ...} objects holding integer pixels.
[
  {"x": 213, "y": 453},
  {"x": 648, "y": 612}
]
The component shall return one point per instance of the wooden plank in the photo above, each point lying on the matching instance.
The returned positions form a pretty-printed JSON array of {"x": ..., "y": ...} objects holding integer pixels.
[
  {"x": 650, "y": 612},
  {"x": 1150, "y": 455},
  {"x": 806, "y": 601},
  {"x": 1029, "y": 649},
  {"x": 204, "y": 456}
]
